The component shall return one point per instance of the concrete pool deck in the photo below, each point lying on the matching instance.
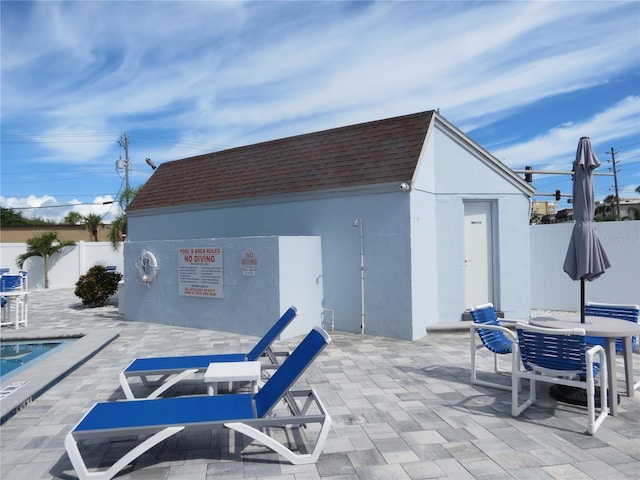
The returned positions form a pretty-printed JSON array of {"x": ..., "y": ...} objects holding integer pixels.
[{"x": 401, "y": 410}]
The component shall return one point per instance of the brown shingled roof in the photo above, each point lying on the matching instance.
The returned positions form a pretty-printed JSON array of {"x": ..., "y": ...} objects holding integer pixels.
[{"x": 365, "y": 154}]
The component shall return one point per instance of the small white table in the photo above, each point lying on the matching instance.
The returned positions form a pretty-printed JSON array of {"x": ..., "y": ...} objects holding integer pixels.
[
  {"x": 232, "y": 372},
  {"x": 610, "y": 329},
  {"x": 16, "y": 299}
]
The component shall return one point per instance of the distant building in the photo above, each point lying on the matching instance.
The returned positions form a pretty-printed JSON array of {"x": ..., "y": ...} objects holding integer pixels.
[
  {"x": 440, "y": 224},
  {"x": 630, "y": 209},
  {"x": 543, "y": 208}
]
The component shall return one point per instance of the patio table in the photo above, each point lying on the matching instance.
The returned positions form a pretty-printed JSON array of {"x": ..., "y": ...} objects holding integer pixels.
[
  {"x": 220, "y": 372},
  {"x": 16, "y": 299},
  {"x": 610, "y": 329}
]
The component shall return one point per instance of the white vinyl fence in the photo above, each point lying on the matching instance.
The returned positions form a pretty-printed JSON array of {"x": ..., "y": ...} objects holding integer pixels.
[
  {"x": 65, "y": 267},
  {"x": 551, "y": 288}
]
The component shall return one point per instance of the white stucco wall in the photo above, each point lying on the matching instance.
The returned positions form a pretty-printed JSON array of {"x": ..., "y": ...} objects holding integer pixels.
[
  {"x": 425, "y": 276},
  {"x": 386, "y": 243},
  {"x": 459, "y": 176},
  {"x": 287, "y": 273}
]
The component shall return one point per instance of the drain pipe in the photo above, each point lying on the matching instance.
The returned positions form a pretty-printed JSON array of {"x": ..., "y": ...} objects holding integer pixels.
[{"x": 358, "y": 223}]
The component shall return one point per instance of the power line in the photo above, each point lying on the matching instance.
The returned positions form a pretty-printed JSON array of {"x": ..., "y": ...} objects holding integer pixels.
[{"x": 61, "y": 205}]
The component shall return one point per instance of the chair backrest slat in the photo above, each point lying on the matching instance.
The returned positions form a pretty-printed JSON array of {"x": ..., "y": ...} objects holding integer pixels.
[
  {"x": 494, "y": 340},
  {"x": 9, "y": 283},
  {"x": 265, "y": 342},
  {"x": 553, "y": 351},
  {"x": 288, "y": 373},
  {"x": 622, "y": 312},
  {"x": 630, "y": 313}
]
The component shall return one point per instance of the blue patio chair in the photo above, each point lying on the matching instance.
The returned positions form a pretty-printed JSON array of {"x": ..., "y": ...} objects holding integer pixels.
[
  {"x": 253, "y": 415},
  {"x": 560, "y": 357},
  {"x": 617, "y": 311},
  {"x": 627, "y": 312},
  {"x": 495, "y": 338},
  {"x": 172, "y": 370},
  {"x": 11, "y": 283}
]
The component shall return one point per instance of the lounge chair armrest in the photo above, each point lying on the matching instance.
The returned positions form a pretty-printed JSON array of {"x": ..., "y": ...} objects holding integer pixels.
[
  {"x": 480, "y": 326},
  {"x": 599, "y": 351},
  {"x": 511, "y": 322}
]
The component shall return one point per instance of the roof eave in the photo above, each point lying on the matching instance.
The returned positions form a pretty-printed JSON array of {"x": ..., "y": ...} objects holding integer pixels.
[
  {"x": 388, "y": 187},
  {"x": 491, "y": 161}
]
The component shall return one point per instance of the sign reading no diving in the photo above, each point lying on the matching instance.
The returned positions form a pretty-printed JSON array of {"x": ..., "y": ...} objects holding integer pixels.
[
  {"x": 200, "y": 272},
  {"x": 250, "y": 260}
]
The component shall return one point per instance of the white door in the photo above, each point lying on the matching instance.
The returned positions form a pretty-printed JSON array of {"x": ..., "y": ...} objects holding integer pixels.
[{"x": 478, "y": 253}]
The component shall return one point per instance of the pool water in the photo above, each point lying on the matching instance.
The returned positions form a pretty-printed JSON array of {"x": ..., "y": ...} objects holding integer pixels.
[{"x": 14, "y": 355}]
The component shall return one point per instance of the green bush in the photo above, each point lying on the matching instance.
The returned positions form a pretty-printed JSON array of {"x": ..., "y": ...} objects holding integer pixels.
[{"x": 97, "y": 285}]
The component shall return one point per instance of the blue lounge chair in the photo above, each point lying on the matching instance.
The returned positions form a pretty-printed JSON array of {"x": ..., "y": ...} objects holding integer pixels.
[
  {"x": 175, "y": 369},
  {"x": 246, "y": 413}
]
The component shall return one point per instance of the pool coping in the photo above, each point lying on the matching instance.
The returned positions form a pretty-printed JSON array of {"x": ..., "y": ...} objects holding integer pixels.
[{"x": 58, "y": 366}]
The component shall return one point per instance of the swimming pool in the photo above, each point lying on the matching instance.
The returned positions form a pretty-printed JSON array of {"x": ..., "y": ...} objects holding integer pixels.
[
  {"x": 27, "y": 382},
  {"x": 15, "y": 355}
]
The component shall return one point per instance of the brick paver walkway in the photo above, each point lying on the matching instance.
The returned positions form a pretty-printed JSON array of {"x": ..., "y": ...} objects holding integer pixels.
[{"x": 401, "y": 410}]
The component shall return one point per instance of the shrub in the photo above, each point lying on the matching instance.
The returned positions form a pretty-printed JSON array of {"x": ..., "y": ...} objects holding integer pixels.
[{"x": 97, "y": 285}]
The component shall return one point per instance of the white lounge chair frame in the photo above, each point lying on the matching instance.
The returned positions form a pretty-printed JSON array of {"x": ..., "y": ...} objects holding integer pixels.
[
  {"x": 165, "y": 372},
  {"x": 107, "y": 419}
]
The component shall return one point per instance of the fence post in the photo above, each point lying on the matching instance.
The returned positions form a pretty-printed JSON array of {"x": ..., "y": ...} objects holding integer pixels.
[{"x": 82, "y": 255}]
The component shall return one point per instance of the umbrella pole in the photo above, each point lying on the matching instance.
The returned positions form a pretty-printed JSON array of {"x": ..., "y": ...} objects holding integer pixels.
[{"x": 582, "y": 300}]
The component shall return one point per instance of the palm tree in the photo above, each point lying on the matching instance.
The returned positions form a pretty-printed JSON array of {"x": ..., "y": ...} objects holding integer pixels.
[
  {"x": 118, "y": 231},
  {"x": 92, "y": 223},
  {"x": 73, "y": 218},
  {"x": 44, "y": 246},
  {"x": 606, "y": 211}
]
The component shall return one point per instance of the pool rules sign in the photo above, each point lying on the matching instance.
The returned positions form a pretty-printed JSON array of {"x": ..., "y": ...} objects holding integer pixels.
[{"x": 200, "y": 272}]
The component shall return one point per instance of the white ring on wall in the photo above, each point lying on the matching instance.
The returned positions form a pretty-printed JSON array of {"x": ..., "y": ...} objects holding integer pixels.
[{"x": 147, "y": 267}]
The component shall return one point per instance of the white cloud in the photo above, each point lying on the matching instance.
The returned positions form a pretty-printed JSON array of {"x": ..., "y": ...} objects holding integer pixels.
[{"x": 49, "y": 208}]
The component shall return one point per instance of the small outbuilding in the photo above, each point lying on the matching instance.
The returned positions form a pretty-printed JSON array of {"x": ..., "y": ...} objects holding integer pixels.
[{"x": 384, "y": 228}]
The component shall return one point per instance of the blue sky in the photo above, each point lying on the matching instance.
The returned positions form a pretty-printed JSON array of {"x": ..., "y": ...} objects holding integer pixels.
[{"x": 525, "y": 80}]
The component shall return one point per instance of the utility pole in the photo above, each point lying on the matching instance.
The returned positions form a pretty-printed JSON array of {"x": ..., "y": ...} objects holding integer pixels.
[
  {"x": 615, "y": 182},
  {"x": 123, "y": 141}
]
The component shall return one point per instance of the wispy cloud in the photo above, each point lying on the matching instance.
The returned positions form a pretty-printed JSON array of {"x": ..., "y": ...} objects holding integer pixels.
[{"x": 621, "y": 120}]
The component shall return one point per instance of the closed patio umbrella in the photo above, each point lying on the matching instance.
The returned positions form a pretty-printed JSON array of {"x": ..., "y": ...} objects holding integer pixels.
[{"x": 586, "y": 258}]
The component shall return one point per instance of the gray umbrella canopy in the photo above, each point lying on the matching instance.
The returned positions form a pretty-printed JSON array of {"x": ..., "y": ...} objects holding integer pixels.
[{"x": 586, "y": 258}]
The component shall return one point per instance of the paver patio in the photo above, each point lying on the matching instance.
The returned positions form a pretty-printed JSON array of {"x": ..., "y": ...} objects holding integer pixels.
[{"x": 401, "y": 410}]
